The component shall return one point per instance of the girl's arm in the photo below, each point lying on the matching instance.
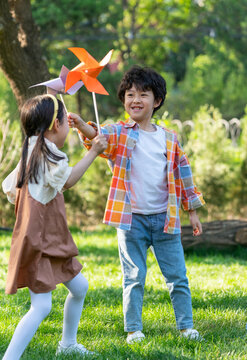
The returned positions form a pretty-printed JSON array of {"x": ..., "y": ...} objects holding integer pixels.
[
  {"x": 98, "y": 145},
  {"x": 9, "y": 184}
]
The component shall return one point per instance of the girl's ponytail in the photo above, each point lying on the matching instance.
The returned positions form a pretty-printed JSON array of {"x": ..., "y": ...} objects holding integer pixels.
[
  {"x": 36, "y": 116},
  {"x": 36, "y": 159},
  {"x": 22, "y": 172}
]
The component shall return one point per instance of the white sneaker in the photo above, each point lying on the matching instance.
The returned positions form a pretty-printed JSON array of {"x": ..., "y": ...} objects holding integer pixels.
[
  {"x": 76, "y": 348},
  {"x": 191, "y": 334},
  {"x": 135, "y": 337}
]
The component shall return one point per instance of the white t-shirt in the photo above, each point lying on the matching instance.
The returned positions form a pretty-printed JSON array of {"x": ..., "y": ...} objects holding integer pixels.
[
  {"x": 51, "y": 180},
  {"x": 149, "y": 186}
]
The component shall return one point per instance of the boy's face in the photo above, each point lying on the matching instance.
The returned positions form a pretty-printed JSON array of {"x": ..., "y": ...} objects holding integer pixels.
[{"x": 139, "y": 104}]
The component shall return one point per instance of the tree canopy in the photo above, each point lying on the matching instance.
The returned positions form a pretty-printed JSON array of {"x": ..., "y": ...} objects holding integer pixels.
[{"x": 199, "y": 46}]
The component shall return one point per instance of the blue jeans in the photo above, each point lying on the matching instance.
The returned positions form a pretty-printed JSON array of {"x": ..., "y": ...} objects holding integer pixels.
[{"x": 146, "y": 231}]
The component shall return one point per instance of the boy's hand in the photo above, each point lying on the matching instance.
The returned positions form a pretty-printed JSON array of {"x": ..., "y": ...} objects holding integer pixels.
[
  {"x": 195, "y": 223},
  {"x": 87, "y": 130},
  {"x": 99, "y": 144},
  {"x": 75, "y": 121}
]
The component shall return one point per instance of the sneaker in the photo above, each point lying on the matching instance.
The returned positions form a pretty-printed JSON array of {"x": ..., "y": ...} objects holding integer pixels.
[
  {"x": 191, "y": 334},
  {"x": 76, "y": 348},
  {"x": 135, "y": 337}
]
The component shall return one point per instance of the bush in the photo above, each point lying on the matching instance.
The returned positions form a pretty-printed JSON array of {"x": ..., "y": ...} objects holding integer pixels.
[{"x": 210, "y": 80}]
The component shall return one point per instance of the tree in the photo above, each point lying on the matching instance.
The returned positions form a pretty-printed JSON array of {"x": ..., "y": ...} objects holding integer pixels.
[
  {"x": 150, "y": 30},
  {"x": 86, "y": 24},
  {"x": 20, "y": 54}
]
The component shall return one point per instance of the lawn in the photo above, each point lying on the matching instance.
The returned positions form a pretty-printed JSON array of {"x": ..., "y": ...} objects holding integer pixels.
[{"x": 219, "y": 295}]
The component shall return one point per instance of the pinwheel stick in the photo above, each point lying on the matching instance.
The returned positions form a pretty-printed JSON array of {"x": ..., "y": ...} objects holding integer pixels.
[
  {"x": 61, "y": 97},
  {"x": 96, "y": 112}
]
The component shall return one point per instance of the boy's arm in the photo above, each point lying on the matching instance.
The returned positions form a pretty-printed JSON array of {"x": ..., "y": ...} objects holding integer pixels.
[
  {"x": 195, "y": 223},
  {"x": 88, "y": 131},
  {"x": 75, "y": 121},
  {"x": 98, "y": 145},
  {"x": 191, "y": 197}
]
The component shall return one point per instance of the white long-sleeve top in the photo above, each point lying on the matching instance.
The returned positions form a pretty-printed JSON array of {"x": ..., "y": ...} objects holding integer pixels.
[{"x": 50, "y": 179}]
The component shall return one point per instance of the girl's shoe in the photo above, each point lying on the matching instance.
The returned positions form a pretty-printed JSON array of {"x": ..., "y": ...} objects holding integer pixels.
[
  {"x": 76, "y": 348},
  {"x": 135, "y": 337},
  {"x": 191, "y": 334}
]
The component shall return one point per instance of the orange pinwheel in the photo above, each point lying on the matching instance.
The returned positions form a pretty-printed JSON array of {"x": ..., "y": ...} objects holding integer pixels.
[{"x": 87, "y": 71}]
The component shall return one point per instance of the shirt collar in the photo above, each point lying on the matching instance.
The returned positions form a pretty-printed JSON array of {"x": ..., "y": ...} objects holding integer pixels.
[{"x": 130, "y": 123}]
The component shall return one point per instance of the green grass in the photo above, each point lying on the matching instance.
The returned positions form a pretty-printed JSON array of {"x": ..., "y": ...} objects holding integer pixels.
[{"x": 219, "y": 295}]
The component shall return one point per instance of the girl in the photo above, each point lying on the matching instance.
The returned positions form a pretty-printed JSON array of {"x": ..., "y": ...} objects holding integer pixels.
[{"x": 42, "y": 251}]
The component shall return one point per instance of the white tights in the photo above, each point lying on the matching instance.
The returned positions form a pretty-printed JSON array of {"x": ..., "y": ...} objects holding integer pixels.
[{"x": 40, "y": 308}]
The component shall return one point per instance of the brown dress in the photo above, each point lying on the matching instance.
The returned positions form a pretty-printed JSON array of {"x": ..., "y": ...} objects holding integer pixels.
[{"x": 42, "y": 251}]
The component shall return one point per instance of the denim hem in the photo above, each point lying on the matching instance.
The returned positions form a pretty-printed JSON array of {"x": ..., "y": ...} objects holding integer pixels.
[
  {"x": 126, "y": 329},
  {"x": 185, "y": 326}
]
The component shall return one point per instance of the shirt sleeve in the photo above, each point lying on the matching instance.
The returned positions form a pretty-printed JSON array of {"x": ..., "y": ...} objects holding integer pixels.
[
  {"x": 191, "y": 197},
  {"x": 111, "y": 133},
  {"x": 56, "y": 175},
  {"x": 9, "y": 184}
]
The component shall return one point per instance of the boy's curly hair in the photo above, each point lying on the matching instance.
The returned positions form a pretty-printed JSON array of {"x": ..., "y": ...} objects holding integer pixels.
[{"x": 143, "y": 78}]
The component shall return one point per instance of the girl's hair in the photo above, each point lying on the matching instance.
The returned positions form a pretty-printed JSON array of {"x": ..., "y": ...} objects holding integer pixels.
[
  {"x": 36, "y": 117},
  {"x": 144, "y": 79}
]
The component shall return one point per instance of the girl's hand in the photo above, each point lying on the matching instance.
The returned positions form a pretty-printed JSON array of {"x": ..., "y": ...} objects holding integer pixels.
[
  {"x": 99, "y": 144},
  {"x": 75, "y": 121},
  {"x": 195, "y": 223}
]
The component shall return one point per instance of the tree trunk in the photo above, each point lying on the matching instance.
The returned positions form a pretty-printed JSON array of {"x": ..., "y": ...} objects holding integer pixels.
[
  {"x": 20, "y": 52},
  {"x": 216, "y": 234}
]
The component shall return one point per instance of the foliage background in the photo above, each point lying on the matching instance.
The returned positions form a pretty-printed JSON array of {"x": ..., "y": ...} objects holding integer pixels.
[{"x": 198, "y": 46}]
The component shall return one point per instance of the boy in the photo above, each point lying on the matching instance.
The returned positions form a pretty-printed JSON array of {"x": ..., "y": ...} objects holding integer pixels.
[{"x": 151, "y": 176}]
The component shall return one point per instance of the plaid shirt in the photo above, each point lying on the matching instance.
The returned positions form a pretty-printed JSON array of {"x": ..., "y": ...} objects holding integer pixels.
[{"x": 122, "y": 138}]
